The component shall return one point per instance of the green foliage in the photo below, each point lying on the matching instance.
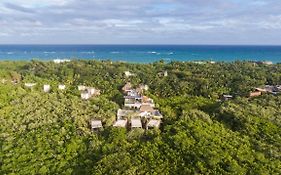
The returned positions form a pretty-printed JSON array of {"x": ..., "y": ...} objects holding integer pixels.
[{"x": 49, "y": 133}]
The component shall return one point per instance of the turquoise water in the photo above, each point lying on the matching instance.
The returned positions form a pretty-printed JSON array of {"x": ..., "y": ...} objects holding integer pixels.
[{"x": 141, "y": 53}]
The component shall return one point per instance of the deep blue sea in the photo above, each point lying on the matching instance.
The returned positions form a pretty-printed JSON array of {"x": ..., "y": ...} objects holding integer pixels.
[{"x": 141, "y": 53}]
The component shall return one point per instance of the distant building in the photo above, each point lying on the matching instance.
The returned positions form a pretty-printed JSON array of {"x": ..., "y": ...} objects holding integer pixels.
[
  {"x": 136, "y": 123},
  {"x": 85, "y": 95},
  {"x": 61, "y": 87},
  {"x": 148, "y": 101},
  {"x": 121, "y": 123},
  {"x": 30, "y": 85},
  {"x": 88, "y": 92},
  {"x": 96, "y": 124},
  {"x": 47, "y": 88},
  {"x": 146, "y": 108},
  {"x": 128, "y": 74},
  {"x": 153, "y": 124},
  {"x": 255, "y": 94},
  {"x": 58, "y": 61},
  {"x": 81, "y": 88},
  {"x": 132, "y": 102},
  {"x": 122, "y": 113}
]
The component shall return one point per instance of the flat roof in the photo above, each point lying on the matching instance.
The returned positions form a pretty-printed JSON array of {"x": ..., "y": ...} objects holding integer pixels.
[
  {"x": 120, "y": 123},
  {"x": 96, "y": 124},
  {"x": 136, "y": 123},
  {"x": 153, "y": 123}
]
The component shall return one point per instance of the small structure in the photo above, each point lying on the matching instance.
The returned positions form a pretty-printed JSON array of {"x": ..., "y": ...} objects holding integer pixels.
[
  {"x": 96, "y": 124},
  {"x": 85, "y": 95},
  {"x": 58, "y": 61},
  {"x": 255, "y": 94},
  {"x": 148, "y": 101},
  {"x": 226, "y": 97},
  {"x": 146, "y": 108},
  {"x": 156, "y": 114},
  {"x": 81, "y": 88},
  {"x": 153, "y": 124},
  {"x": 46, "y": 88},
  {"x": 88, "y": 92},
  {"x": 120, "y": 123},
  {"x": 165, "y": 74},
  {"x": 128, "y": 74},
  {"x": 61, "y": 87},
  {"x": 127, "y": 87},
  {"x": 132, "y": 102},
  {"x": 121, "y": 113},
  {"x": 29, "y": 85},
  {"x": 93, "y": 91},
  {"x": 136, "y": 123}
]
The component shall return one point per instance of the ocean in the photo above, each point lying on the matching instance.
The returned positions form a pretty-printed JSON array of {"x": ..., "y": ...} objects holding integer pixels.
[{"x": 142, "y": 53}]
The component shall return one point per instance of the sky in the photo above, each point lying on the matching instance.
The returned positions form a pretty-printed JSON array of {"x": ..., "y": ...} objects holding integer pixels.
[{"x": 256, "y": 22}]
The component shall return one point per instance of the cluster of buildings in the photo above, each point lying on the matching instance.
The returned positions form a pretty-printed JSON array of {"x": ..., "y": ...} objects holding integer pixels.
[
  {"x": 269, "y": 89},
  {"x": 86, "y": 92},
  {"x": 138, "y": 111}
]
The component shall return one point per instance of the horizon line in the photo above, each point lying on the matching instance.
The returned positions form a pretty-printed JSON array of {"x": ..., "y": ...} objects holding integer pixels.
[{"x": 2, "y": 44}]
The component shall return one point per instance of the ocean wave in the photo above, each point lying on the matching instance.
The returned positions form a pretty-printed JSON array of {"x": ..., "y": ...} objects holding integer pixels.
[
  {"x": 46, "y": 52},
  {"x": 89, "y": 52},
  {"x": 115, "y": 52},
  {"x": 10, "y": 53}
]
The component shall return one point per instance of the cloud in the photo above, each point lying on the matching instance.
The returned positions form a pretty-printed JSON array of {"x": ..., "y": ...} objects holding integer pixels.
[{"x": 146, "y": 21}]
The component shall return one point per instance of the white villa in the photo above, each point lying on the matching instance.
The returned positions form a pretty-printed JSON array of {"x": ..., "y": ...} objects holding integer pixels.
[
  {"x": 120, "y": 123},
  {"x": 128, "y": 74},
  {"x": 58, "y": 61},
  {"x": 136, "y": 123},
  {"x": 30, "y": 85},
  {"x": 96, "y": 124},
  {"x": 153, "y": 124},
  {"x": 46, "y": 88},
  {"x": 61, "y": 87}
]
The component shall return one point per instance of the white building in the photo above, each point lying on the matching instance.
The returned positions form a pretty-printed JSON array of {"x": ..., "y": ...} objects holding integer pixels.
[
  {"x": 85, "y": 95},
  {"x": 58, "y": 61},
  {"x": 96, "y": 124},
  {"x": 136, "y": 123},
  {"x": 30, "y": 85},
  {"x": 61, "y": 87},
  {"x": 82, "y": 88},
  {"x": 46, "y": 88},
  {"x": 128, "y": 74},
  {"x": 120, "y": 123},
  {"x": 153, "y": 124}
]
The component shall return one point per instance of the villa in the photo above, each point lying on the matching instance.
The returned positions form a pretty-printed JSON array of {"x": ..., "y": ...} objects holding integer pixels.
[
  {"x": 88, "y": 92},
  {"x": 58, "y": 61},
  {"x": 136, "y": 123},
  {"x": 121, "y": 113},
  {"x": 266, "y": 89},
  {"x": 128, "y": 74},
  {"x": 122, "y": 123},
  {"x": 96, "y": 124},
  {"x": 46, "y": 88},
  {"x": 30, "y": 85},
  {"x": 153, "y": 124},
  {"x": 81, "y": 88},
  {"x": 61, "y": 87}
]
